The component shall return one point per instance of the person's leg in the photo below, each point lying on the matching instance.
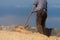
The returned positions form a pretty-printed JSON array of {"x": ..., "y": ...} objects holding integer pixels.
[
  {"x": 44, "y": 16},
  {"x": 38, "y": 22}
]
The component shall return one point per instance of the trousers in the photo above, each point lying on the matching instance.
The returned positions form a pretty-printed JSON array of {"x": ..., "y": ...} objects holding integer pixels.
[{"x": 41, "y": 16}]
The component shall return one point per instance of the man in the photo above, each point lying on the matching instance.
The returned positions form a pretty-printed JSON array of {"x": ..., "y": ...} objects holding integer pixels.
[{"x": 40, "y": 7}]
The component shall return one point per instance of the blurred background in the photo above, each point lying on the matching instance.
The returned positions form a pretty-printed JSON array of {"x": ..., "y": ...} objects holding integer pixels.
[{"x": 16, "y": 11}]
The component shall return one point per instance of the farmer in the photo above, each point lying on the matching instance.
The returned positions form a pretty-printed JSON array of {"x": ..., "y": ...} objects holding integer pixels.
[{"x": 40, "y": 7}]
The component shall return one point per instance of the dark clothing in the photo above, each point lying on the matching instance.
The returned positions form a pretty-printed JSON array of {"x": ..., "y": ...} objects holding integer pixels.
[{"x": 40, "y": 20}]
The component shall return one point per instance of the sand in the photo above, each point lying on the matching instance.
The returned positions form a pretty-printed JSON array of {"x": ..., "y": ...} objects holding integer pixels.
[
  {"x": 10, "y": 35},
  {"x": 20, "y": 33}
]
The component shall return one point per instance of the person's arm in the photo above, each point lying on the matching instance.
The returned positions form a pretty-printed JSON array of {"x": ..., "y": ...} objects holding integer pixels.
[
  {"x": 40, "y": 5},
  {"x": 34, "y": 5}
]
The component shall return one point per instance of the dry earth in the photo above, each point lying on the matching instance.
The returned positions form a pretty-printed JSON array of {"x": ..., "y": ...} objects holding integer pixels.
[
  {"x": 20, "y": 33},
  {"x": 8, "y": 35}
]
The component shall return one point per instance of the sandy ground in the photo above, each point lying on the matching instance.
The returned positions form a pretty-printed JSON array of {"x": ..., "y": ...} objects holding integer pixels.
[
  {"x": 19, "y": 33},
  {"x": 9, "y": 35}
]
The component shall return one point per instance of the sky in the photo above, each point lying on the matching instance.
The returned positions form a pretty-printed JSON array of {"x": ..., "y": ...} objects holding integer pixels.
[{"x": 16, "y": 11}]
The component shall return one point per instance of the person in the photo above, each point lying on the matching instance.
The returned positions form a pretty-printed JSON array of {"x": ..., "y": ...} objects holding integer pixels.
[{"x": 40, "y": 7}]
